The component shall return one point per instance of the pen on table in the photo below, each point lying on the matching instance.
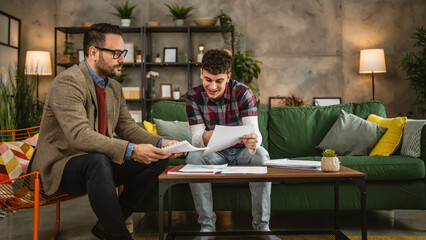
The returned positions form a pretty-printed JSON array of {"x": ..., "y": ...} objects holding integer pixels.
[{"x": 175, "y": 168}]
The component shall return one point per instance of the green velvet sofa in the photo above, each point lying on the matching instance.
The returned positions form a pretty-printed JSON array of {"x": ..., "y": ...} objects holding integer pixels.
[{"x": 393, "y": 182}]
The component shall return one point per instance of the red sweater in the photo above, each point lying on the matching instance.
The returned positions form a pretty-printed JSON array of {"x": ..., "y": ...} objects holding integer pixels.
[{"x": 101, "y": 97}]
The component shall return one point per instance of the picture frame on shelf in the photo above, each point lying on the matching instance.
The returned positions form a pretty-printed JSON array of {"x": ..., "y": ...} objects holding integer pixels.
[
  {"x": 276, "y": 102},
  {"x": 129, "y": 46},
  {"x": 170, "y": 54},
  {"x": 136, "y": 115},
  {"x": 166, "y": 90},
  {"x": 326, "y": 101},
  {"x": 80, "y": 55}
]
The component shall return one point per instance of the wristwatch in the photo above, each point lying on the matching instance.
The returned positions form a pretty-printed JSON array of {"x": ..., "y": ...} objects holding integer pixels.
[{"x": 133, "y": 151}]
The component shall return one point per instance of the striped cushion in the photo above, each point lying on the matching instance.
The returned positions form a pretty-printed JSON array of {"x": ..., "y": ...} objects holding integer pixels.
[
  {"x": 411, "y": 138},
  {"x": 14, "y": 159}
]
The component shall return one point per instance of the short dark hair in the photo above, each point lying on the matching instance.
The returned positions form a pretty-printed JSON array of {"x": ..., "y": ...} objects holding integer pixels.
[
  {"x": 95, "y": 36},
  {"x": 216, "y": 61}
]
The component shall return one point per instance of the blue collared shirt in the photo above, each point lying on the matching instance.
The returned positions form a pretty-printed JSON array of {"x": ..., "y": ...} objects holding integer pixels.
[{"x": 103, "y": 83}]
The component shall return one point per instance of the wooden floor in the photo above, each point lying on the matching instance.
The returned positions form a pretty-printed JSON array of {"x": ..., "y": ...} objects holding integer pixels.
[{"x": 77, "y": 220}]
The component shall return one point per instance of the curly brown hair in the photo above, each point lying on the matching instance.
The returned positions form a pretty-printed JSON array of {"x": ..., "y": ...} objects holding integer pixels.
[{"x": 216, "y": 61}]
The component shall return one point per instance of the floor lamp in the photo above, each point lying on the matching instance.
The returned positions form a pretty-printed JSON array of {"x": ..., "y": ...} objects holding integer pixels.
[
  {"x": 38, "y": 63},
  {"x": 372, "y": 61}
]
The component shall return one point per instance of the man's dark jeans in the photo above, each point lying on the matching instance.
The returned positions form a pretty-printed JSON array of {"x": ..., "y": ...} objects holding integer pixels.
[{"x": 97, "y": 176}]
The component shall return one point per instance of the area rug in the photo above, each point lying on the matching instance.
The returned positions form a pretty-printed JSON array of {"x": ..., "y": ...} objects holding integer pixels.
[{"x": 314, "y": 238}]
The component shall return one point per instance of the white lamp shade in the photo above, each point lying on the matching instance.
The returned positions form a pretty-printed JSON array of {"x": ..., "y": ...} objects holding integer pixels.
[
  {"x": 372, "y": 60},
  {"x": 38, "y": 63}
]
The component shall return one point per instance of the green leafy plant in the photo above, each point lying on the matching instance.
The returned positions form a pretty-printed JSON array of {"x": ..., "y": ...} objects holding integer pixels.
[
  {"x": 229, "y": 29},
  {"x": 124, "y": 11},
  {"x": 329, "y": 153},
  {"x": 246, "y": 69},
  {"x": 414, "y": 64},
  {"x": 19, "y": 107},
  {"x": 179, "y": 12},
  {"x": 176, "y": 89},
  {"x": 68, "y": 47}
]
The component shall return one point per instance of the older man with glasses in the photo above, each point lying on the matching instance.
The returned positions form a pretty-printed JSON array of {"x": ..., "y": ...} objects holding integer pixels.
[{"x": 76, "y": 150}]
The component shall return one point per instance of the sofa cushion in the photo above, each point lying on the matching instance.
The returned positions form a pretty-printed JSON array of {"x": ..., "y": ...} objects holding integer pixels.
[
  {"x": 351, "y": 136},
  {"x": 169, "y": 111},
  {"x": 262, "y": 118},
  {"x": 295, "y": 131},
  {"x": 390, "y": 141},
  {"x": 173, "y": 130},
  {"x": 150, "y": 127},
  {"x": 411, "y": 137},
  {"x": 383, "y": 168}
]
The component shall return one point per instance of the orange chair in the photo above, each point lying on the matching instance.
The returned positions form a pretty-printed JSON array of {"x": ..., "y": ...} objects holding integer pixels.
[{"x": 30, "y": 193}]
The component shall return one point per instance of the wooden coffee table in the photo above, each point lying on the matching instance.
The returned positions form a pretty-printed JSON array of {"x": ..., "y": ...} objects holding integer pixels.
[{"x": 274, "y": 175}]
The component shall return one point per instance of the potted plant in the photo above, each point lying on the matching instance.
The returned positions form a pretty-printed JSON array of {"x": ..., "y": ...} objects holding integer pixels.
[
  {"x": 246, "y": 69},
  {"x": 329, "y": 161},
  {"x": 68, "y": 54},
  {"x": 153, "y": 76},
  {"x": 124, "y": 11},
  {"x": 176, "y": 93},
  {"x": 414, "y": 64},
  {"x": 179, "y": 13}
]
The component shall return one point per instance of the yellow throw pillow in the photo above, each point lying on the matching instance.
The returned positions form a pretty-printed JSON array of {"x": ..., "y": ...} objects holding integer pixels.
[
  {"x": 390, "y": 141},
  {"x": 150, "y": 127}
]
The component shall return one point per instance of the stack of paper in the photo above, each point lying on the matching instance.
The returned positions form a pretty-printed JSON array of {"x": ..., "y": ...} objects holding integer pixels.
[
  {"x": 182, "y": 147},
  {"x": 294, "y": 164},
  {"x": 198, "y": 169},
  {"x": 245, "y": 170}
]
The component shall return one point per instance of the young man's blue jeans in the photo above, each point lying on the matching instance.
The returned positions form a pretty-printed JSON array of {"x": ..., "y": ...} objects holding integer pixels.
[{"x": 260, "y": 192}]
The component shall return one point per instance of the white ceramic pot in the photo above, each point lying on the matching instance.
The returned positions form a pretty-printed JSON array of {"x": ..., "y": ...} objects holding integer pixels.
[
  {"x": 125, "y": 22},
  {"x": 179, "y": 22},
  {"x": 330, "y": 164},
  {"x": 176, "y": 95}
]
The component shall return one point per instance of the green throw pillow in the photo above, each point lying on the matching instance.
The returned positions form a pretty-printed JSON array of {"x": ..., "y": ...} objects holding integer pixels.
[
  {"x": 352, "y": 136},
  {"x": 173, "y": 130}
]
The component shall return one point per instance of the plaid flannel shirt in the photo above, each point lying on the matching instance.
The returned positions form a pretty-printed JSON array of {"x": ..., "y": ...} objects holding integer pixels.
[{"x": 237, "y": 102}]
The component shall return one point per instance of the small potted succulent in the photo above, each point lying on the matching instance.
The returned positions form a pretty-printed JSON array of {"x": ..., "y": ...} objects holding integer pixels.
[
  {"x": 124, "y": 11},
  {"x": 68, "y": 54},
  {"x": 179, "y": 13},
  {"x": 330, "y": 161},
  {"x": 176, "y": 93}
]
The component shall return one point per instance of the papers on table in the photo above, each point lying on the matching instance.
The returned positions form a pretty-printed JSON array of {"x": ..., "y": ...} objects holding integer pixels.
[
  {"x": 197, "y": 169},
  {"x": 181, "y": 147},
  {"x": 224, "y": 137},
  {"x": 245, "y": 170},
  {"x": 294, "y": 164},
  {"x": 213, "y": 169}
]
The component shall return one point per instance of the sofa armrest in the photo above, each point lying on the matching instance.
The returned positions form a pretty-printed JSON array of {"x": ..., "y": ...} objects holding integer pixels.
[{"x": 423, "y": 144}]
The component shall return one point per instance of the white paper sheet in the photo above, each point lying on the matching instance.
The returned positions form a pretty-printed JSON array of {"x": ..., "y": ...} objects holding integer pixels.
[
  {"x": 245, "y": 170},
  {"x": 224, "y": 137},
  {"x": 294, "y": 164},
  {"x": 181, "y": 147}
]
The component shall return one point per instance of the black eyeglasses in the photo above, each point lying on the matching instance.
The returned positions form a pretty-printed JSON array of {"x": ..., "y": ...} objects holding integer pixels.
[{"x": 116, "y": 54}]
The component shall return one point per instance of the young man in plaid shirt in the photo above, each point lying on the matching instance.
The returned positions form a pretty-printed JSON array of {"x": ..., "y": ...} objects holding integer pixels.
[{"x": 222, "y": 101}]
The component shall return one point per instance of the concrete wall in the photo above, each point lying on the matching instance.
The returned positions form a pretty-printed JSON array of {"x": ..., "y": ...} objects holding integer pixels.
[{"x": 310, "y": 48}]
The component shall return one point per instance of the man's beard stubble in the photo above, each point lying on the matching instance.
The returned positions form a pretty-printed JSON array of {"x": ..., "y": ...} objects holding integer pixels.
[{"x": 105, "y": 70}]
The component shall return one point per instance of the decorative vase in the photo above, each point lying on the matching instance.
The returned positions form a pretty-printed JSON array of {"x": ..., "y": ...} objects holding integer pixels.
[
  {"x": 153, "y": 94},
  {"x": 179, "y": 22},
  {"x": 330, "y": 164},
  {"x": 125, "y": 22},
  {"x": 176, "y": 95}
]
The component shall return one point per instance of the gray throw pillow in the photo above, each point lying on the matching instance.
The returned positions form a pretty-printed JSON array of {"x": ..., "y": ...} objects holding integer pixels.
[
  {"x": 411, "y": 138},
  {"x": 352, "y": 136},
  {"x": 173, "y": 130}
]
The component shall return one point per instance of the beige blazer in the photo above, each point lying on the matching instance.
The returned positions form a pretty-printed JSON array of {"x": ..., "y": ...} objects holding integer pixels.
[{"x": 69, "y": 126}]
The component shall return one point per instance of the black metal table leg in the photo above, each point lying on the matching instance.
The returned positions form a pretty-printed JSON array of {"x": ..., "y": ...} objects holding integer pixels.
[{"x": 360, "y": 183}]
